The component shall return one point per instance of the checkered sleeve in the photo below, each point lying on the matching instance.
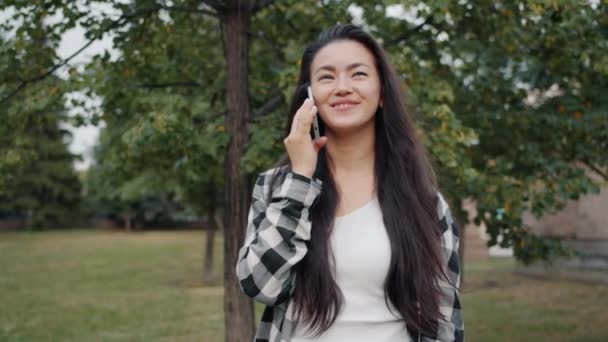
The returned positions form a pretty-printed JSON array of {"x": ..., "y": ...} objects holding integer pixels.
[
  {"x": 452, "y": 328},
  {"x": 275, "y": 241}
]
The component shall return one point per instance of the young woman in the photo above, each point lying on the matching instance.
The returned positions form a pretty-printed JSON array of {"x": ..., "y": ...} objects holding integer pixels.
[{"x": 349, "y": 239}]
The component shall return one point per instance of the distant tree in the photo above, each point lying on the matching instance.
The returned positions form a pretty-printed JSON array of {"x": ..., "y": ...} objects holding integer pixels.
[{"x": 37, "y": 180}]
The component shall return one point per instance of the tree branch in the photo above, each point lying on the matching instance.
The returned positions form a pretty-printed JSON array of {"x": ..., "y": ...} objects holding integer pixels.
[
  {"x": 184, "y": 84},
  {"x": 198, "y": 121},
  {"x": 328, "y": 13},
  {"x": 187, "y": 9},
  {"x": 122, "y": 20},
  {"x": 271, "y": 46},
  {"x": 217, "y": 115},
  {"x": 595, "y": 169},
  {"x": 271, "y": 104},
  {"x": 410, "y": 32},
  {"x": 261, "y": 4},
  {"x": 218, "y": 6}
]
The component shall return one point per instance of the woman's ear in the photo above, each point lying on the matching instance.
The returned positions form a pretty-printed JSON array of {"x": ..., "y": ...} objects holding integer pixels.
[{"x": 381, "y": 104}]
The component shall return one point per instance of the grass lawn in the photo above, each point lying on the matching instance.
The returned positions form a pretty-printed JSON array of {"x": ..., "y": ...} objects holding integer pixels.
[{"x": 112, "y": 286}]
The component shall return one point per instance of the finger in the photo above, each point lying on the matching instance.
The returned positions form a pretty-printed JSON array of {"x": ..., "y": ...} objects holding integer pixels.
[
  {"x": 320, "y": 143},
  {"x": 296, "y": 117},
  {"x": 303, "y": 120}
]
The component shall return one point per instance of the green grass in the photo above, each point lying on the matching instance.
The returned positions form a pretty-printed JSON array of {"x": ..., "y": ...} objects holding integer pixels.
[
  {"x": 112, "y": 286},
  {"x": 503, "y": 306},
  {"x": 107, "y": 286}
]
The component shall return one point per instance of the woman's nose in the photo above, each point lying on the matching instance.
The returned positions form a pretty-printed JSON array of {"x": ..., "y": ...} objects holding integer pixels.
[{"x": 343, "y": 86}]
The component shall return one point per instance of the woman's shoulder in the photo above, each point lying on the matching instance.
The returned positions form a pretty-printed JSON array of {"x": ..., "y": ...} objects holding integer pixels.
[
  {"x": 445, "y": 215},
  {"x": 442, "y": 205}
]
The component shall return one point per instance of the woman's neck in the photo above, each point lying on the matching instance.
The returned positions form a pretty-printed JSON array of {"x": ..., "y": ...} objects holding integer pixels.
[{"x": 352, "y": 153}]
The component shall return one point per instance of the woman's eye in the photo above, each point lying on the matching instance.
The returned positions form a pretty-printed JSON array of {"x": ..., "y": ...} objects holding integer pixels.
[
  {"x": 359, "y": 73},
  {"x": 323, "y": 77}
]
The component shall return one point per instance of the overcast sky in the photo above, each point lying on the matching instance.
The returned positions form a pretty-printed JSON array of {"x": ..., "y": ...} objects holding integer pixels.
[{"x": 85, "y": 137}]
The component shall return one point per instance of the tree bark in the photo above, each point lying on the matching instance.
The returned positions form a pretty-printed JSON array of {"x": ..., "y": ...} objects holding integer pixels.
[
  {"x": 127, "y": 219},
  {"x": 208, "y": 272},
  {"x": 461, "y": 251},
  {"x": 238, "y": 309},
  {"x": 461, "y": 219},
  {"x": 213, "y": 224}
]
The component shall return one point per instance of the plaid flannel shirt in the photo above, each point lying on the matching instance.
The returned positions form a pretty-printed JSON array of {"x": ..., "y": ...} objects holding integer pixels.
[{"x": 277, "y": 232}]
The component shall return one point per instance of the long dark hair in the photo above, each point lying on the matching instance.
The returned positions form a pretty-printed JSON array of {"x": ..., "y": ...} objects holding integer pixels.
[{"x": 407, "y": 193}]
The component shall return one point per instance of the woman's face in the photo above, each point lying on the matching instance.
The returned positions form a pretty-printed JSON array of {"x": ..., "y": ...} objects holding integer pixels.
[{"x": 346, "y": 85}]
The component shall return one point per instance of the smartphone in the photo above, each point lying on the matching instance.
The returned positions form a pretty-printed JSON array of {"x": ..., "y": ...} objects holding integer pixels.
[{"x": 315, "y": 121}]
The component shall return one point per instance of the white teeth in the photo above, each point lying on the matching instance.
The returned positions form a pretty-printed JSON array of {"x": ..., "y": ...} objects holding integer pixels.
[{"x": 343, "y": 105}]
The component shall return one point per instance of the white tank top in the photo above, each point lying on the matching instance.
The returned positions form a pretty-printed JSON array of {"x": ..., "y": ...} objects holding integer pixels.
[{"x": 362, "y": 256}]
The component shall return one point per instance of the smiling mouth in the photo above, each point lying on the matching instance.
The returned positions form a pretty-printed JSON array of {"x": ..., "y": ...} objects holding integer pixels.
[{"x": 344, "y": 106}]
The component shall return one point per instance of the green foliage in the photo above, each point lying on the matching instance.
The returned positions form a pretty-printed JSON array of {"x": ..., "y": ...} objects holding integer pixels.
[
  {"x": 508, "y": 95},
  {"x": 146, "y": 198},
  {"x": 165, "y": 119},
  {"x": 37, "y": 180}
]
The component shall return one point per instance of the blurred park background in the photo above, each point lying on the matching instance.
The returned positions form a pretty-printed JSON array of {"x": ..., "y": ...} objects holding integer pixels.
[{"x": 131, "y": 133}]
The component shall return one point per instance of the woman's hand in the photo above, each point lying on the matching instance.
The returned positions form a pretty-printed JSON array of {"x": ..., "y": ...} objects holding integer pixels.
[{"x": 301, "y": 149}]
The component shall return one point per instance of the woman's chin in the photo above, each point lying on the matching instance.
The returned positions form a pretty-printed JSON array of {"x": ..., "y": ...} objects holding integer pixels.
[{"x": 345, "y": 126}]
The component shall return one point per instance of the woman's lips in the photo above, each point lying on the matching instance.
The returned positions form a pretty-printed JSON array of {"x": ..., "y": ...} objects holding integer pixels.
[{"x": 344, "y": 106}]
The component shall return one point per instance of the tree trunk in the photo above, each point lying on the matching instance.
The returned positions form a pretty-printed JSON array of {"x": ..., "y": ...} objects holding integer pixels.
[
  {"x": 208, "y": 272},
  {"x": 461, "y": 220},
  {"x": 461, "y": 251},
  {"x": 238, "y": 309},
  {"x": 213, "y": 225},
  {"x": 127, "y": 221}
]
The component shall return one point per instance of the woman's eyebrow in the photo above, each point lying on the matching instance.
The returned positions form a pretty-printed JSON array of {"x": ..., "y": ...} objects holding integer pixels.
[{"x": 332, "y": 68}]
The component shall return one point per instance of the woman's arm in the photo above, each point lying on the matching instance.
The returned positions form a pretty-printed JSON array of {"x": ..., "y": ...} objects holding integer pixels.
[
  {"x": 452, "y": 328},
  {"x": 276, "y": 237}
]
